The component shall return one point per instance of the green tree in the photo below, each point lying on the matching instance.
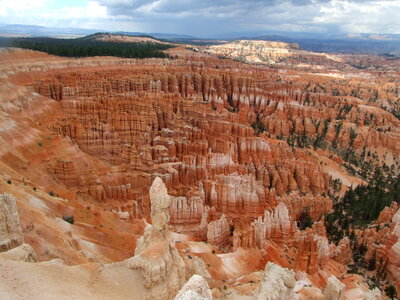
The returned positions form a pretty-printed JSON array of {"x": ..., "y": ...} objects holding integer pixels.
[{"x": 390, "y": 291}]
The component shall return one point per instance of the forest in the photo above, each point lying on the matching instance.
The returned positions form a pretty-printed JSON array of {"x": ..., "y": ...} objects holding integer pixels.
[
  {"x": 83, "y": 47},
  {"x": 362, "y": 205}
]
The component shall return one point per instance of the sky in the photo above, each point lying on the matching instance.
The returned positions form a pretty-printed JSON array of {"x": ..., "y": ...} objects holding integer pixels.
[{"x": 209, "y": 18}]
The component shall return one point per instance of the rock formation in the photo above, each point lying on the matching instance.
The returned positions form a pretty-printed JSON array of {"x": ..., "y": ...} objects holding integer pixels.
[
  {"x": 218, "y": 233},
  {"x": 12, "y": 246},
  {"x": 308, "y": 254},
  {"x": 198, "y": 267},
  {"x": 10, "y": 226},
  {"x": 334, "y": 289},
  {"x": 277, "y": 283},
  {"x": 195, "y": 289},
  {"x": 383, "y": 243},
  {"x": 243, "y": 151},
  {"x": 275, "y": 225},
  {"x": 342, "y": 253},
  {"x": 156, "y": 257},
  {"x": 23, "y": 252},
  {"x": 258, "y": 51},
  {"x": 374, "y": 294},
  {"x": 393, "y": 267}
]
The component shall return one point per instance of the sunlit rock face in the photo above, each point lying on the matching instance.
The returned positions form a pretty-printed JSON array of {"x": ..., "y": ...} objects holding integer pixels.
[
  {"x": 277, "y": 283},
  {"x": 334, "y": 289},
  {"x": 256, "y": 51},
  {"x": 195, "y": 289}
]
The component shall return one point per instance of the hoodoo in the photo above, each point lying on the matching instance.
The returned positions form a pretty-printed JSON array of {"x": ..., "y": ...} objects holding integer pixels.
[
  {"x": 241, "y": 170},
  {"x": 156, "y": 256}
]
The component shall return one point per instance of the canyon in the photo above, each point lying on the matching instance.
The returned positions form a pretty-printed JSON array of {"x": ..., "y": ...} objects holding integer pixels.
[{"x": 191, "y": 176}]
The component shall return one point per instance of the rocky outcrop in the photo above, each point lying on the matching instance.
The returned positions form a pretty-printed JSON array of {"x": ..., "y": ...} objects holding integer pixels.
[
  {"x": 255, "y": 51},
  {"x": 342, "y": 253},
  {"x": 10, "y": 226},
  {"x": 23, "y": 252},
  {"x": 12, "y": 246},
  {"x": 276, "y": 225},
  {"x": 244, "y": 235},
  {"x": 277, "y": 283},
  {"x": 387, "y": 213},
  {"x": 393, "y": 265},
  {"x": 195, "y": 289},
  {"x": 374, "y": 294},
  {"x": 383, "y": 243},
  {"x": 313, "y": 249},
  {"x": 334, "y": 289},
  {"x": 218, "y": 233},
  {"x": 198, "y": 267},
  {"x": 308, "y": 254},
  {"x": 156, "y": 257}
]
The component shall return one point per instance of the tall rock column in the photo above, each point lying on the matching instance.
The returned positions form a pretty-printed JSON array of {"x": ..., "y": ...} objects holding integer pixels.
[
  {"x": 156, "y": 256},
  {"x": 10, "y": 226},
  {"x": 218, "y": 233}
]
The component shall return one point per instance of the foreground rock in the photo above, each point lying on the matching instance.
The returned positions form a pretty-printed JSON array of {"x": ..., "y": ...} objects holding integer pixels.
[
  {"x": 277, "y": 283},
  {"x": 195, "y": 289},
  {"x": 24, "y": 253},
  {"x": 162, "y": 268},
  {"x": 49, "y": 281},
  {"x": 198, "y": 267},
  {"x": 10, "y": 226},
  {"x": 334, "y": 289}
]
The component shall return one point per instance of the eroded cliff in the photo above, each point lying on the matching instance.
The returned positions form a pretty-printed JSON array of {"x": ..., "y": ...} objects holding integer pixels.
[{"x": 244, "y": 151}]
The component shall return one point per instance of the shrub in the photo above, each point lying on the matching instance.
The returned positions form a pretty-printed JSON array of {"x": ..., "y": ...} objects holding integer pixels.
[
  {"x": 372, "y": 262},
  {"x": 391, "y": 291},
  {"x": 258, "y": 125},
  {"x": 9, "y": 181},
  {"x": 69, "y": 219},
  {"x": 305, "y": 220}
]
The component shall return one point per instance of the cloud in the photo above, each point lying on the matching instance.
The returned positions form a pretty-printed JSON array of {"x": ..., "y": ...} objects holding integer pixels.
[
  {"x": 19, "y": 7},
  {"x": 212, "y": 17},
  {"x": 203, "y": 17},
  {"x": 39, "y": 12},
  {"x": 361, "y": 16}
]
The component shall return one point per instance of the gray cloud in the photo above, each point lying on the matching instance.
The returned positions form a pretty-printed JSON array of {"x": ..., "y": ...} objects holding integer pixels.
[{"x": 208, "y": 18}]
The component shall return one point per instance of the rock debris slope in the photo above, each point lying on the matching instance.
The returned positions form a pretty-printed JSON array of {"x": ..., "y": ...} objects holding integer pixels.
[{"x": 161, "y": 276}]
